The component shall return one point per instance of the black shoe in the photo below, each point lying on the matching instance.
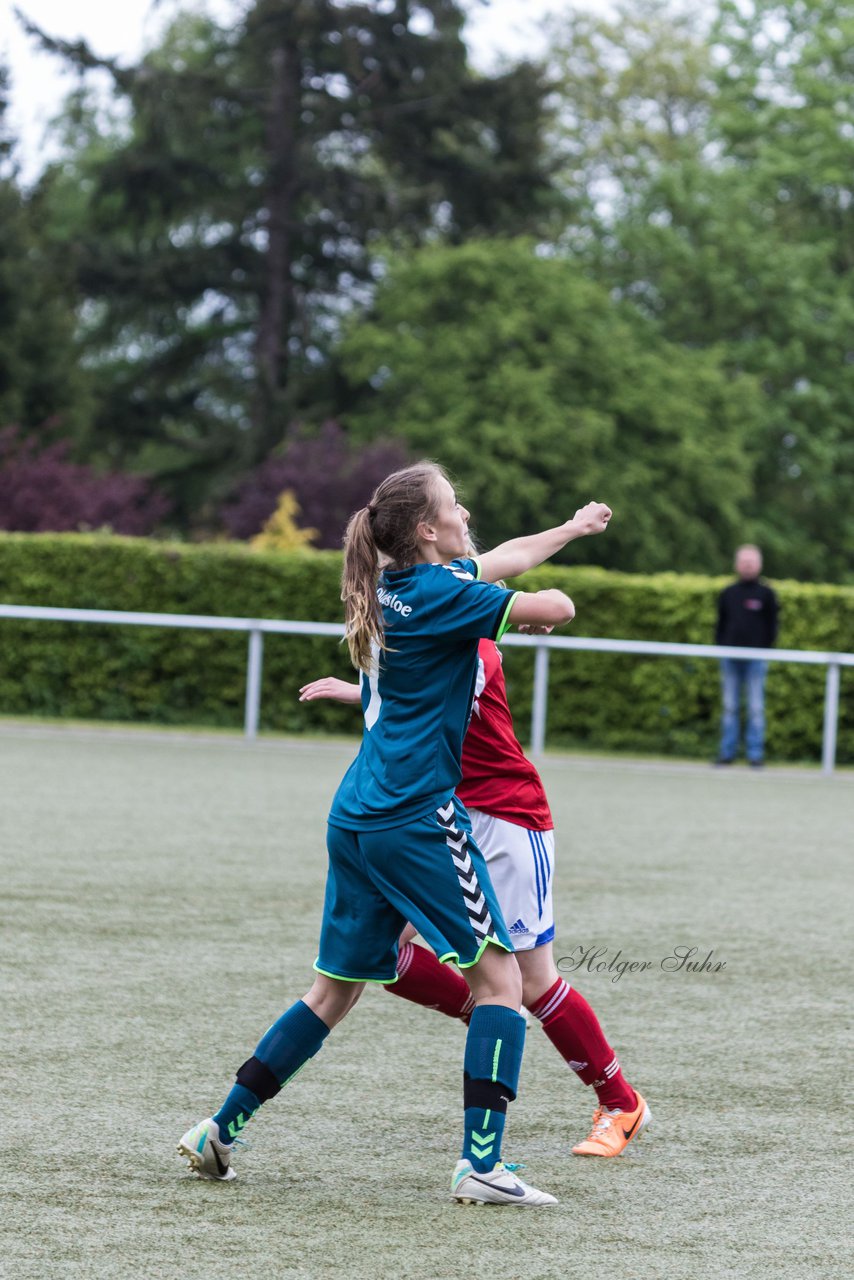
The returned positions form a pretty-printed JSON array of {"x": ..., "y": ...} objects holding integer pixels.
[
  {"x": 757, "y": 764},
  {"x": 722, "y": 760}
]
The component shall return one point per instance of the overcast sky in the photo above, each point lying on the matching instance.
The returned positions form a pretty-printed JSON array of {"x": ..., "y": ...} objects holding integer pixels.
[{"x": 125, "y": 28}]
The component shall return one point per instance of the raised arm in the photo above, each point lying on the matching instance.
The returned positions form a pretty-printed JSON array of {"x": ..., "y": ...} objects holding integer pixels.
[{"x": 520, "y": 554}]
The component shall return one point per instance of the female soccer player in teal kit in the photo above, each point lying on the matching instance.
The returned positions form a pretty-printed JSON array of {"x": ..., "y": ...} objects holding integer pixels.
[{"x": 399, "y": 843}]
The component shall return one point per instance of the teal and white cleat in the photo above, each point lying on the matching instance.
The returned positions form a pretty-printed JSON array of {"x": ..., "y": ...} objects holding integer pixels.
[
  {"x": 499, "y": 1186},
  {"x": 206, "y": 1155}
]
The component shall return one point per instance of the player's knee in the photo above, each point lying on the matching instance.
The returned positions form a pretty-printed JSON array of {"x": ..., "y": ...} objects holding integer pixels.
[
  {"x": 514, "y": 986},
  {"x": 496, "y": 979},
  {"x": 332, "y": 999}
]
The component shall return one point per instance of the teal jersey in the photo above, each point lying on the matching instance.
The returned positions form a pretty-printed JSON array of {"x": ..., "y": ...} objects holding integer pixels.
[{"x": 418, "y": 698}]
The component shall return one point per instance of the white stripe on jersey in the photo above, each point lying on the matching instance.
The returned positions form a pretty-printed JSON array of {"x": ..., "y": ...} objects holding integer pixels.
[{"x": 372, "y": 711}]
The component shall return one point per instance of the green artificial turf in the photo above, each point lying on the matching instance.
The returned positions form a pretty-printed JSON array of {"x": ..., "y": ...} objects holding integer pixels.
[{"x": 161, "y": 900}]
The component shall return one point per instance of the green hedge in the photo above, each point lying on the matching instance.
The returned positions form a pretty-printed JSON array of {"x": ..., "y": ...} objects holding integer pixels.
[
  {"x": 160, "y": 675},
  {"x": 165, "y": 676}
]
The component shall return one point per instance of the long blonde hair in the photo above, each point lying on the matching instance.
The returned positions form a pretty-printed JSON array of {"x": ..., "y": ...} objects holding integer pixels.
[{"x": 385, "y": 528}]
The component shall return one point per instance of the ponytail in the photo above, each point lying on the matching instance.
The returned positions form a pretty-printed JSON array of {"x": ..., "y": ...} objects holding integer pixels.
[
  {"x": 362, "y": 613},
  {"x": 383, "y": 531}
]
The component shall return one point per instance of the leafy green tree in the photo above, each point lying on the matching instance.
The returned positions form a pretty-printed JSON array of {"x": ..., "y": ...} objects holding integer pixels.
[
  {"x": 242, "y": 207},
  {"x": 785, "y": 113},
  {"x": 785, "y": 110},
  {"x": 634, "y": 96},
  {"x": 540, "y": 393},
  {"x": 722, "y": 166}
]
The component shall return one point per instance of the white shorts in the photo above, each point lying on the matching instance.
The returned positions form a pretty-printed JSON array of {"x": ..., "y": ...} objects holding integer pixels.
[{"x": 521, "y": 863}]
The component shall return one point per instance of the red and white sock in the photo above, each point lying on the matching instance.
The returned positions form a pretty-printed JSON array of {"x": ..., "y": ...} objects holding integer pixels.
[
  {"x": 574, "y": 1030},
  {"x": 424, "y": 980}
]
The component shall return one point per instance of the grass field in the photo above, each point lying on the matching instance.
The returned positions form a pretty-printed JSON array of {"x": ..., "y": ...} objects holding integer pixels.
[{"x": 161, "y": 899}]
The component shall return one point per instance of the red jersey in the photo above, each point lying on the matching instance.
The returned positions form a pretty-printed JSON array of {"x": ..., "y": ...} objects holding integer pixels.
[{"x": 498, "y": 778}]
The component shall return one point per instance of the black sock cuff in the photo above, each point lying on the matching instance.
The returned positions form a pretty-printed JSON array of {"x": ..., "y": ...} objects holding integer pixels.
[
  {"x": 259, "y": 1079},
  {"x": 491, "y": 1095}
]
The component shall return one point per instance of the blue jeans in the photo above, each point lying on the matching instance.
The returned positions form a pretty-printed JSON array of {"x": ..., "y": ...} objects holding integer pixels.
[{"x": 745, "y": 674}]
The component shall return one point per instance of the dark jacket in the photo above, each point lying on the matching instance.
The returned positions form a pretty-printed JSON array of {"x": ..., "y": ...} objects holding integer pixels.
[{"x": 747, "y": 615}]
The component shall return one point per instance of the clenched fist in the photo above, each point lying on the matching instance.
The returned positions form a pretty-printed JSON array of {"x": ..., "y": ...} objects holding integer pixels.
[{"x": 593, "y": 518}]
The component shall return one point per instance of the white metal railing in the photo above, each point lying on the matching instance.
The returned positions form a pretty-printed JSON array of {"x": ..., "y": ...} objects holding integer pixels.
[{"x": 258, "y": 627}]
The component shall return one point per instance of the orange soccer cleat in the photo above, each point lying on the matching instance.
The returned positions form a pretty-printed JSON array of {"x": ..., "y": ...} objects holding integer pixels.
[{"x": 612, "y": 1131}]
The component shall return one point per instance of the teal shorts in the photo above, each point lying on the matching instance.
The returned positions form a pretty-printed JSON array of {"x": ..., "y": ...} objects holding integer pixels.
[{"x": 428, "y": 872}]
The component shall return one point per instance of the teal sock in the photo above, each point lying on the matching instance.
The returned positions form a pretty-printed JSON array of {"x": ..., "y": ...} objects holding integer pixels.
[
  {"x": 484, "y": 1130},
  {"x": 291, "y": 1041},
  {"x": 238, "y": 1108},
  {"x": 493, "y": 1060},
  {"x": 280, "y": 1054}
]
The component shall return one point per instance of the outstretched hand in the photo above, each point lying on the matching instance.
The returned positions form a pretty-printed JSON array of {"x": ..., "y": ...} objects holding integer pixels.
[{"x": 329, "y": 687}]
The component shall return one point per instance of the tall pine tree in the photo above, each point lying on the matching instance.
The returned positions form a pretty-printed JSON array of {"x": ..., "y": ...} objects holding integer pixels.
[
  {"x": 41, "y": 384},
  {"x": 222, "y": 230}
]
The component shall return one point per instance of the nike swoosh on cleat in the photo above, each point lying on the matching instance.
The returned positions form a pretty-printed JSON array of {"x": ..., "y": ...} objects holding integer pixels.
[
  {"x": 223, "y": 1168},
  {"x": 631, "y": 1131},
  {"x": 507, "y": 1191}
]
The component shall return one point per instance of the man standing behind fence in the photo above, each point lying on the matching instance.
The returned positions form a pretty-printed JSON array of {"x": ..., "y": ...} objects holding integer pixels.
[{"x": 747, "y": 617}]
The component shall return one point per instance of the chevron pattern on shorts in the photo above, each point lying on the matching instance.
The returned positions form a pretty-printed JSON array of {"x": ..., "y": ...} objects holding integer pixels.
[{"x": 456, "y": 840}]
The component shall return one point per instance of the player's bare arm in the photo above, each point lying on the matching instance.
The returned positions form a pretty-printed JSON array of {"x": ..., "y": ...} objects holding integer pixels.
[
  {"x": 330, "y": 688},
  {"x": 520, "y": 554},
  {"x": 542, "y": 609}
]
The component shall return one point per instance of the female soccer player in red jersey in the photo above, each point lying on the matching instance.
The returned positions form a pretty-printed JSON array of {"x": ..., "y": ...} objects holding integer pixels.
[{"x": 512, "y": 824}]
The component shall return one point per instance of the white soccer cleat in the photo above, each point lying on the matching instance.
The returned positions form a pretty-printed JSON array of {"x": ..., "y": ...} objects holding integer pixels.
[
  {"x": 499, "y": 1186},
  {"x": 206, "y": 1155}
]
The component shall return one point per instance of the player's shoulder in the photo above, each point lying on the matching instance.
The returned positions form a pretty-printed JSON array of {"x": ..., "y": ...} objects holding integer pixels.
[
  {"x": 464, "y": 569},
  {"x": 448, "y": 579}
]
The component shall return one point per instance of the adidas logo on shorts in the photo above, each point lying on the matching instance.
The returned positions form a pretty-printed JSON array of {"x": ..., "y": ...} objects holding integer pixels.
[{"x": 519, "y": 927}]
